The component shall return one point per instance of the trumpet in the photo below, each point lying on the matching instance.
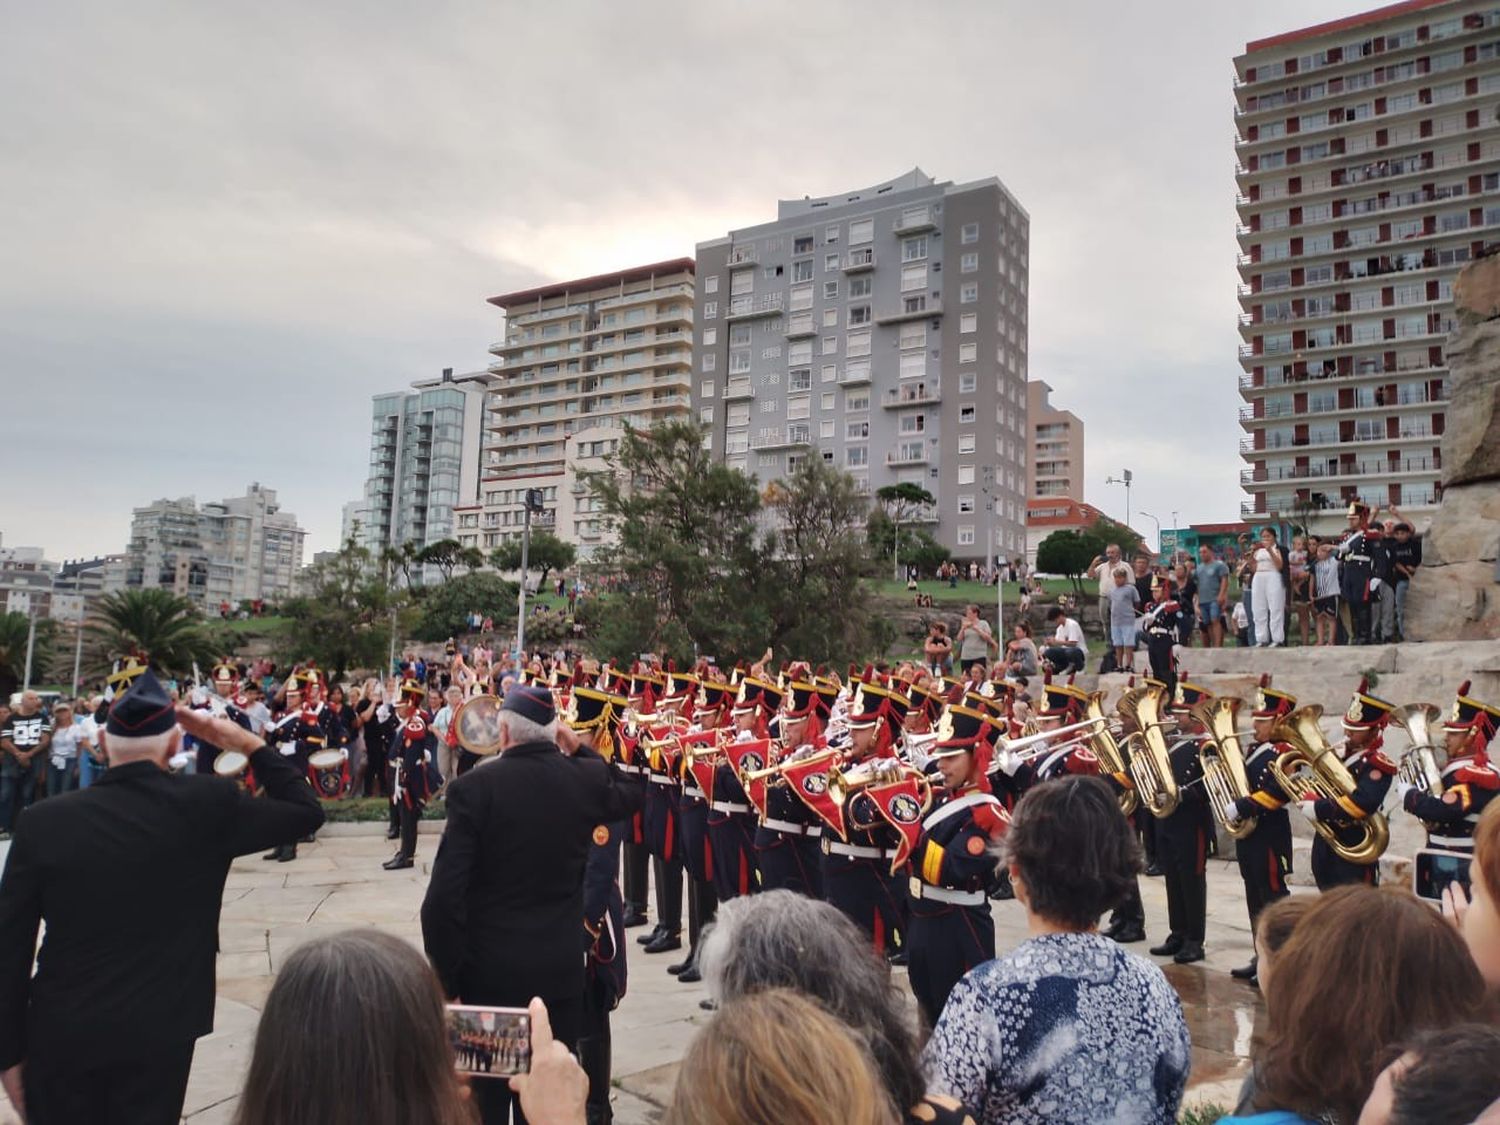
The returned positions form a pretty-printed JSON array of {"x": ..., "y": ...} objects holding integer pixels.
[
  {"x": 1419, "y": 766},
  {"x": 1312, "y": 769},
  {"x": 1223, "y": 761},
  {"x": 844, "y": 783},
  {"x": 1150, "y": 761},
  {"x": 699, "y": 754},
  {"x": 776, "y": 774}
]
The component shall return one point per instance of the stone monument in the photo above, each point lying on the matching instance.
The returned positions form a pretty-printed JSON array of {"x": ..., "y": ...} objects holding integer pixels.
[{"x": 1455, "y": 594}]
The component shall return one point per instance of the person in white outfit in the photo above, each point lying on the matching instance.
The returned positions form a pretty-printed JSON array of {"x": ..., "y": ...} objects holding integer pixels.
[{"x": 1268, "y": 592}]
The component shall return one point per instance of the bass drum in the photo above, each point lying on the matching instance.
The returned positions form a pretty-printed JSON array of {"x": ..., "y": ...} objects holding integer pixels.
[
  {"x": 235, "y": 766},
  {"x": 328, "y": 770},
  {"x": 476, "y": 725}
]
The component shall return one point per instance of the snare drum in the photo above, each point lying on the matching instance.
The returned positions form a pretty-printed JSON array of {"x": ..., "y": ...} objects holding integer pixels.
[
  {"x": 235, "y": 766},
  {"x": 329, "y": 772},
  {"x": 476, "y": 725}
]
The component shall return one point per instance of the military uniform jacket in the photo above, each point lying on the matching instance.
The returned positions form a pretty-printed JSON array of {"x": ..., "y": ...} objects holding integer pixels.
[
  {"x": 604, "y": 914},
  {"x": 783, "y": 807},
  {"x": 1357, "y": 553},
  {"x": 953, "y": 851},
  {"x": 304, "y": 732},
  {"x": 128, "y": 876},
  {"x": 501, "y": 917},
  {"x": 1467, "y": 789},
  {"x": 1192, "y": 812},
  {"x": 1267, "y": 801},
  {"x": 1372, "y": 781}
]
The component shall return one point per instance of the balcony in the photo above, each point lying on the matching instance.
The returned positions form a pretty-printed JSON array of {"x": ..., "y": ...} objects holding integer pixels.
[
  {"x": 747, "y": 306},
  {"x": 775, "y": 439},
  {"x": 857, "y": 378},
  {"x": 1290, "y": 506},
  {"x": 1377, "y": 468},
  {"x": 911, "y": 396},
  {"x": 912, "y": 456},
  {"x": 738, "y": 389},
  {"x": 1419, "y": 432},
  {"x": 914, "y": 220},
  {"x": 742, "y": 256},
  {"x": 913, "y": 308},
  {"x": 799, "y": 329},
  {"x": 858, "y": 261}
]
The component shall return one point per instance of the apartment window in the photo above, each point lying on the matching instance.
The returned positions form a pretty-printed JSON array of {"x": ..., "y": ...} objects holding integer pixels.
[
  {"x": 710, "y": 361},
  {"x": 968, "y": 263},
  {"x": 913, "y": 423},
  {"x": 830, "y": 373},
  {"x": 830, "y": 318},
  {"x": 966, "y": 443},
  {"x": 706, "y": 388},
  {"x": 856, "y": 431},
  {"x": 913, "y": 278},
  {"x": 831, "y": 234},
  {"x": 825, "y": 429},
  {"x": 968, "y": 353},
  {"x": 914, "y": 249},
  {"x": 710, "y": 310},
  {"x": 966, "y": 474},
  {"x": 825, "y": 401},
  {"x": 741, "y": 282},
  {"x": 800, "y": 352},
  {"x": 857, "y": 455},
  {"x": 706, "y": 415},
  {"x": 802, "y": 244},
  {"x": 830, "y": 290},
  {"x": 802, "y": 297},
  {"x": 913, "y": 365},
  {"x": 799, "y": 407},
  {"x": 857, "y": 400},
  {"x": 970, "y": 233},
  {"x": 966, "y": 504},
  {"x": 773, "y": 272},
  {"x": 860, "y": 287},
  {"x": 802, "y": 270},
  {"x": 968, "y": 293},
  {"x": 861, "y": 231},
  {"x": 799, "y": 379},
  {"x": 965, "y": 415},
  {"x": 739, "y": 335},
  {"x": 859, "y": 343},
  {"x": 710, "y": 337},
  {"x": 737, "y": 414},
  {"x": 830, "y": 345},
  {"x": 739, "y": 362},
  {"x": 830, "y": 262},
  {"x": 965, "y": 535},
  {"x": 913, "y": 336},
  {"x": 968, "y": 322}
]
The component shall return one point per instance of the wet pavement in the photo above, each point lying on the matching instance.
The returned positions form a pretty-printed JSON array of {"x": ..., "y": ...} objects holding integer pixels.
[{"x": 337, "y": 883}]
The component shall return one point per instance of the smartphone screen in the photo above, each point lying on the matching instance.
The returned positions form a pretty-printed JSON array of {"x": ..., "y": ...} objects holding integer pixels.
[
  {"x": 1433, "y": 871},
  {"x": 490, "y": 1042}
]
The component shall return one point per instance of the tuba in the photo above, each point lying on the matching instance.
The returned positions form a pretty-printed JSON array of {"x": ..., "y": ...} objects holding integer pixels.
[
  {"x": 1150, "y": 762},
  {"x": 1222, "y": 760},
  {"x": 1312, "y": 768},
  {"x": 1111, "y": 757},
  {"x": 1419, "y": 767}
]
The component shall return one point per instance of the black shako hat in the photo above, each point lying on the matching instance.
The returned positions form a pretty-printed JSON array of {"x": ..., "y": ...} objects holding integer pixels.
[
  {"x": 534, "y": 703},
  {"x": 145, "y": 709}
]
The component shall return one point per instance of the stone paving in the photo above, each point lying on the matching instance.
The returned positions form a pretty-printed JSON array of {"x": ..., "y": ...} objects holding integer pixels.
[{"x": 337, "y": 883}]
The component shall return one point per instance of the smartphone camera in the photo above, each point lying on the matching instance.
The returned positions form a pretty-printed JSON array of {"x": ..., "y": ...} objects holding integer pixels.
[
  {"x": 490, "y": 1042},
  {"x": 1433, "y": 871}
]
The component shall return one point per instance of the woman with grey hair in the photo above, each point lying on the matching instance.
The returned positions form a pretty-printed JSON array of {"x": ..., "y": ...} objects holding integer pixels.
[{"x": 780, "y": 939}]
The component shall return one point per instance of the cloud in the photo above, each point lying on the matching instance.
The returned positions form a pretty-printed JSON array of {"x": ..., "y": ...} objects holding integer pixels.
[{"x": 228, "y": 227}]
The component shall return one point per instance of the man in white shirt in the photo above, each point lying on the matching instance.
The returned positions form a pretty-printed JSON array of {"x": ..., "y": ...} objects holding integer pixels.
[
  {"x": 1103, "y": 568},
  {"x": 1069, "y": 650}
]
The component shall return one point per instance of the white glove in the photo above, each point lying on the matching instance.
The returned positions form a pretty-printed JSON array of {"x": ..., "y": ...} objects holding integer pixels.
[
  {"x": 58, "y": 761},
  {"x": 1402, "y": 789},
  {"x": 1308, "y": 808},
  {"x": 1231, "y": 813},
  {"x": 179, "y": 762},
  {"x": 287, "y": 749},
  {"x": 1008, "y": 762},
  {"x": 383, "y": 712},
  {"x": 1374, "y": 585}
]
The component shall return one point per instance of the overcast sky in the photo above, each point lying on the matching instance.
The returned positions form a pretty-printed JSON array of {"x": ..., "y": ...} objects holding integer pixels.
[{"x": 224, "y": 227}]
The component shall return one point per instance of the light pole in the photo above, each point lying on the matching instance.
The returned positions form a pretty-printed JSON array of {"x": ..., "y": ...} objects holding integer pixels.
[
  {"x": 992, "y": 502},
  {"x": 533, "y": 504},
  {"x": 1124, "y": 478},
  {"x": 1157, "y": 522},
  {"x": 30, "y": 644}
]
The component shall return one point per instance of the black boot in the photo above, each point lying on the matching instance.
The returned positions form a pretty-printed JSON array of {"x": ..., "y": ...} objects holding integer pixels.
[
  {"x": 398, "y": 862},
  {"x": 286, "y": 853},
  {"x": 393, "y": 832},
  {"x": 635, "y": 917},
  {"x": 1168, "y": 948},
  {"x": 594, "y": 1057},
  {"x": 1247, "y": 972},
  {"x": 665, "y": 942},
  {"x": 650, "y": 936},
  {"x": 690, "y": 975},
  {"x": 1128, "y": 932},
  {"x": 1191, "y": 951}
]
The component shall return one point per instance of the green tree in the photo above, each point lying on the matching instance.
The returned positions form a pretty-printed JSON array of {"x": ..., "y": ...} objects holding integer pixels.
[
  {"x": 14, "y": 629},
  {"x": 399, "y": 560},
  {"x": 1105, "y": 531},
  {"x": 445, "y": 609},
  {"x": 901, "y": 503},
  {"x": 445, "y": 554},
  {"x": 346, "y": 615},
  {"x": 917, "y": 547},
  {"x": 1068, "y": 552},
  {"x": 686, "y": 564},
  {"x": 817, "y": 555},
  {"x": 167, "y": 628},
  {"x": 546, "y": 553}
]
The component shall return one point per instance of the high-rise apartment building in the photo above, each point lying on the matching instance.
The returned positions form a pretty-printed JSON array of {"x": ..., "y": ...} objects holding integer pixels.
[
  {"x": 1055, "y": 467},
  {"x": 166, "y": 549},
  {"x": 1368, "y": 165},
  {"x": 883, "y": 330},
  {"x": 424, "y": 461},
  {"x": 580, "y": 360}
]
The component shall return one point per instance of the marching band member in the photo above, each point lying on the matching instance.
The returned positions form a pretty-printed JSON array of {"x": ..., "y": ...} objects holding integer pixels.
[
  {"x": 1470, "y": 781},
  {"x": 1358, "y": 570},
  {"x": 302, "y": 729},
  {"x": 950, "y": 927},
  {"x": 1165, "y": 627},
  {"x": 413, "y": 755},
  {"x": 692, "y": 814},
  {"x": 1364, "y": 723},
  {"x": 731, "y": 817},
  {"x": 658, "y": 699},
  {"x": 788, "y": 836},
  {"x": 1265, "y": 856},
  {"x": 229, "y": 701},
  {"x": 1184, "y": 838},
  {"x": 856, "y": 870},
  {"x": 634, "y": 859}
]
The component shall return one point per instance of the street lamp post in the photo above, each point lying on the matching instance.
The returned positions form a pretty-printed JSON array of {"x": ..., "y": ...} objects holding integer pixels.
[
  {"x": 533, "y": 504},
  {"x": 1125, "y": 478},
  {"x": 1157, "y": 522}
]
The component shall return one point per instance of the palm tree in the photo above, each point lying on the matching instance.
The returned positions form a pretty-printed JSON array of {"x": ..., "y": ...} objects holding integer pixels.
[{"x": 165, "y": 627}]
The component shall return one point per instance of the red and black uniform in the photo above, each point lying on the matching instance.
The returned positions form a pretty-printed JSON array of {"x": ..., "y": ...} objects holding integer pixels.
[
  {"x": 950, "y": 929},
  {"x": 605, "y": 964},
  {"x": 1165, "y": 626},
  {"x": 414, "y": 756},
  {"x": 1265, "y": 855},
  {"x": 1357, "y": 554},
  {"x": 789, "y": 835},
  {"x": 1184, "y": 839},
  {"x": 1470, "y": 781}
]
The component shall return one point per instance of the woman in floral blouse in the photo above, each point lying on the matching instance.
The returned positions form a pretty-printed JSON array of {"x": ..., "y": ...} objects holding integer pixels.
[{"x": 1067, "y": 1027}]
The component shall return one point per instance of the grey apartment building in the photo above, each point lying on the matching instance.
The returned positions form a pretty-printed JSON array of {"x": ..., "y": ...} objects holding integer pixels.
[
  {"x": 883, "y": 330},
  {"x": 1368, "y": 165}
]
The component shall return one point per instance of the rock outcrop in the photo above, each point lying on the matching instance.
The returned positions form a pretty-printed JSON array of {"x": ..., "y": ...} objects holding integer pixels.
[{"x": 1455, "y": 594}]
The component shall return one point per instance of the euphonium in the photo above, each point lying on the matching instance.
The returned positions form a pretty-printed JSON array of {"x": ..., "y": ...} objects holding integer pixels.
[
  {"x": 1150, "y": 763},
  {"x": 1419, "y": 765},
  {"x": 1312, "y": 768},
  {"x": 1222, "y": 760},
  {"x": 1111, "y": 757}
]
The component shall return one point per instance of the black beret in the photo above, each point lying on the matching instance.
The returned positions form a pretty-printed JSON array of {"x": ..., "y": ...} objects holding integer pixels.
[
  {"x": 532, "y": 703},
  {"x": 143, "y": 710}
]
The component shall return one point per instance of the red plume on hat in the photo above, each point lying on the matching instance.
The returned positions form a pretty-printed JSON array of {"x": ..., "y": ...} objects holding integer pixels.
[
  {"x": 1265, "y": 679},
  {"x": 1364, "y": 685},
  {"x": 1463, "y": 688}
]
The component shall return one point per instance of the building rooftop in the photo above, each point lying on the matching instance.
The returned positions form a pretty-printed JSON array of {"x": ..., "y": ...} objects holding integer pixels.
[
  {"x": 563, "y": 288},
  {"x": 1348, "y": 23}
]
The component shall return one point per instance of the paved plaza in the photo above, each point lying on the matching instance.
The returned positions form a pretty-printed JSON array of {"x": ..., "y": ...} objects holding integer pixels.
[{"x": 337, "y": 883}]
